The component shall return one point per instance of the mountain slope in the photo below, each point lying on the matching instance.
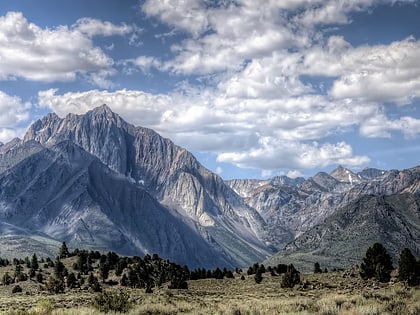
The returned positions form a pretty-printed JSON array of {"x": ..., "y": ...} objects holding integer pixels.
[
  {"x": 99, "y": 181},
  {"x": 323, "y": 218}
]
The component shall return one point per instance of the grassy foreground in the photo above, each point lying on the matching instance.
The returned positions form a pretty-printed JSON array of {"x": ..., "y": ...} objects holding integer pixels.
[{"x": 326, "y": 294}]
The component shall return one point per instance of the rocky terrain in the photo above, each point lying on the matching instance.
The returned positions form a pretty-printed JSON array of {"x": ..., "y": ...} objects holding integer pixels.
[{"x": 333, "y": 218}]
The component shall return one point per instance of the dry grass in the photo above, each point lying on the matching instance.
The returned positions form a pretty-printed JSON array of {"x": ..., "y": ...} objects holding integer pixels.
[{"x": 325, "y": 294}]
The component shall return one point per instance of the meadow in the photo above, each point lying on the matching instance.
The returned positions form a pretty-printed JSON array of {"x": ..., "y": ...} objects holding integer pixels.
[{"x": 341, "y": 292}]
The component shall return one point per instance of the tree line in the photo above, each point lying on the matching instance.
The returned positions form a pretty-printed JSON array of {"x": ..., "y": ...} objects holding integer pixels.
[{"x": 91, "y": 269}]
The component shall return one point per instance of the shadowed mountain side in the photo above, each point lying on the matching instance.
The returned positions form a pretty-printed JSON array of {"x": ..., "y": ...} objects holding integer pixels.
[
  {"x": 152, "y": 169},
  {"x": 342, "y": 239},
  {"x": 71, "y": 196}
]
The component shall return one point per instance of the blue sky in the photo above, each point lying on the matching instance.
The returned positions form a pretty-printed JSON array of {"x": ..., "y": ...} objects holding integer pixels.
[{"x": 253, "y": 88}]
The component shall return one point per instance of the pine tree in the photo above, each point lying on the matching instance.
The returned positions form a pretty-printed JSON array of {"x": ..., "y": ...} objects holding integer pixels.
[
  {"x": 376, "y": 264},
  {"x": 34, "y": 262},
  {"x": 64, "y": 251},
  {"x": 59, "y": 268},
  {"x": 71, "y": 281},
  {"x": 291, "y": 277},
  {"x": 408, "y": 268},
  {"x": 104, "y": 270},
  {"x": 55, "y": 285}
]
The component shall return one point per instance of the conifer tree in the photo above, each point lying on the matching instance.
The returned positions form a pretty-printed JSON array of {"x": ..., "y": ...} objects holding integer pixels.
[
  {"x": 104, "y": 270},
  {"x": 59, "y": 268},
  {"x": 64, "y": 251},
  {"x": 408, "y": 268},
  {"x": 34, "y": 262},
  {"x": 291, "y": 277},
  {"x": 376, "y": 264}
]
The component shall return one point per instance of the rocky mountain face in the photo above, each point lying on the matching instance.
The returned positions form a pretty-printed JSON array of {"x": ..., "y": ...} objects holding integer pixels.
[
  {"x": 333, "y": 218},
  {"x": 96, "y": 181}
]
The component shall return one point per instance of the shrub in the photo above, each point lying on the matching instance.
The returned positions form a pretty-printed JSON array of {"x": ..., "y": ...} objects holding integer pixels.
[
  {"x": 111, "y": 301},
  {"x": 17, "y": 289},
  {"x": 317, "y": 268},
  {"x": 44, "y": 307},
  {"x": 291, "y": 277},
  {"x": 7, "y": 279},
  {"x": 55, "y": 285},
  {"x": 258, "y": 277}
]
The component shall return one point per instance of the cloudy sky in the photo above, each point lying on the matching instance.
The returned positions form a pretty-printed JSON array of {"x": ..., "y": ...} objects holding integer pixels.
[{"x": 254, "y": 88}]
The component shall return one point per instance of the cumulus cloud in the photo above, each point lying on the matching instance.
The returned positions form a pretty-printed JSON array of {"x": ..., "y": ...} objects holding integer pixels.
[
  {"x": 379, "y": 73},
  {"x": 381, "y": 126},
  {"x": 138, "y": 107},
  {"x": 253, "y": 107},
  {"x": 6, "y": 134},
  {"x": 13, "y": 110},
  {"x": 247, "y": 135},
  {"x": 60, "y": 54},
  {"x": 275, "y": 154},
  {"x": 93, "y": 27},
  {"x": 187, "y": 15}
]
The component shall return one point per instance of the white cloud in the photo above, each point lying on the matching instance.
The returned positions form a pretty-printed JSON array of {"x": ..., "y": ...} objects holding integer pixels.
[
  {"x": 13, "y": 110},
  {"x": 246, "y": 134},
  {"x": 60, "y": 54},
  {"x": 187, "y": 15},
  {"x": 381, "y": 126},
  {"x": 135, "y": 106},
  {"x": 93, "y": 27},
  {"x": 6, "y": 134},
  {"x": 253, "y": 107},
  {"x": 145, "y": 63},
  {"x": 332, "y": 11},
  {"x": 380, "y": 73},
  {"x": 13, "y": 113},
  {"x": 275, "y": 154},
  {"x": 294, "y": 174}
]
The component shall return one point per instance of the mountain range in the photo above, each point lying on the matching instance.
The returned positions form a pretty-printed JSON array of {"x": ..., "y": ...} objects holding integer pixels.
[{"x": 98, "y": 182}]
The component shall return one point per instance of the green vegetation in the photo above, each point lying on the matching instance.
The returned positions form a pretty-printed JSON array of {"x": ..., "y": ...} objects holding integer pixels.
[
  {"x": 376, "y": 264},
  {"x": 111, "y": 301},
  {"x": 409, "y": 268},
  {"x": 291, "y": 277}
]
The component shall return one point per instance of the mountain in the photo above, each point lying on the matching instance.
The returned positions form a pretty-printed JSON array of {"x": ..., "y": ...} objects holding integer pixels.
[
  {"x": 333, "y": 218},
  {"x": 98, "y": 182},
  {"x": 95, "y": 181}
]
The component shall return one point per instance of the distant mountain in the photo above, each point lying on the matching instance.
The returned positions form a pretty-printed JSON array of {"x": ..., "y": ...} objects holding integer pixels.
[
  {"x": 333, "y": 218},
  {"x": 96, "y": 181}
]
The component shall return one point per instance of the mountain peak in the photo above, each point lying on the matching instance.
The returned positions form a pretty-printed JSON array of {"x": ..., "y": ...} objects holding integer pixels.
[
  {"x": 103, "y": 109},
  {"x": 345, "y": 175}
]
